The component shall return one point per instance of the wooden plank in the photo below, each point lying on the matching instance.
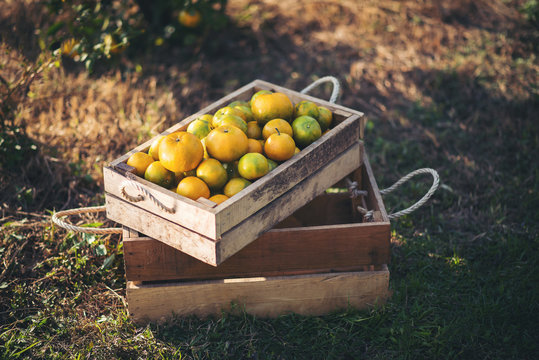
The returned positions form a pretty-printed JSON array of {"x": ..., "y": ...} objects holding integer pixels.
[
  {"x": 188, "y": 213},
  {"x": 315, "y": 249},
  {"x": 285, "y": 176},
  {"x": 169, "y": 233},
  {"x": 374, "y": 198},
  {"x": 314, "y": 294},
  {"x": 276, "y": 211}
]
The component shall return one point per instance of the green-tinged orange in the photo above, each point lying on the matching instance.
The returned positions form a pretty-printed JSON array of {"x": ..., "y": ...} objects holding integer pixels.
[
  {"x": 253, "y": 166},
  {"x": 227, "y": 110},
  {"x": 238, "y": 103},
  {"x": 140, "y": 161},
  {"x": 235, "y": 185},
  {"x": 272, "y": 164},
  {"x": 307, "y": 108},
  {"x": 276, "y": 125},
  {"x": 227, "y": 143},
  {"x": 246, "y": 110},
  {"x": 181, "y": 151},
  {"x": 219, "y": 198},
  {"x": 200, "y": 128},
  {"x": 213, "y": 173},
  {"x": 306, "y": 131},
  {"x": 325, "y": 117},
  {"x": 233, "y": 120},
  {"x": 159, "y": 175},
  {"x": 193, "y": 188},
  {"x": 279, "y": 147}
]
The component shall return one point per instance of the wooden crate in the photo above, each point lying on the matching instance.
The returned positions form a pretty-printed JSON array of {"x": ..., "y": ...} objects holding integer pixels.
[
  {"x": 213, "y": 233},
  {"x": 320, "y": 259}
]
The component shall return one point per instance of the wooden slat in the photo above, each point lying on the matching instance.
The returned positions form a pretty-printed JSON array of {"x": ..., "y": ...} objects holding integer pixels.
[
  {"x": 313, "y": 294},
  {"x": 374, "y": 198},
  {"x": 276, "y": 211}
]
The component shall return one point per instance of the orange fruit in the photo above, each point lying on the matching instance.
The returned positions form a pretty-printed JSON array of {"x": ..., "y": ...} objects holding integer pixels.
[
  {"x": 181, "y": 151},
  {"x": 306, "y": 131},
  {"x": 305, "y": 107},
  {"x": 200, "y": 127},
  {"x": 193, "y": 188},
  {"x": 266, "y": 107},
  {"x": 154, "y": 147},
  {"x": 324, "y": 118},
  {"x": 235, "y": 185},
  {"x": 296, "y": 150},
  {"x": 246, "y": 110},
  {"x": 206, "y": 155},
  {"x": 213, "y": 173},
  {"x": 233, "y": 120},
  {"x": 279, "y": 147},
  {"x": 253, "y": 166},
  {"x": 272, "y": 164},
  {"x": 159, "y": 175},
  {"x": 190, "y": 18},
  {"x": 227, "y": 143},
  {"x": 276, "y": 125},
  {"x": 140, "y": 161},
  {"x": 257, "y": 94},
  {"x": 254, "y": 146},
  {"x": 238, "y": 103},
  {"x": 232, "y": 169},
  {"x": 227, "y": 110},
  {"x": 218, "y": 198},
  {"x": 253, "y": 130}
]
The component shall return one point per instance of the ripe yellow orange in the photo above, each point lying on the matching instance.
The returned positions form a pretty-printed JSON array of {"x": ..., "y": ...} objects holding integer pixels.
[
  {"x": 279, "y": 147},
  {"x": 213, "y": 173},
  {"x": 159, "y": 175},
  {"x": 266, "y": 107},
  {"x": 140, "y": 161},
  {"x": 253, "y": 166},
  {"x": 233, "y": 120},
  {"x": 181, "y": 151},
  {"x": 206, "y": 155},
  {"x": 276, "y": 125},
  {"x": 253, "y": 130},
  {"x": 154, "y": 147},
  {"x": 227, "y": 143},
  {"x": 306, "y": 131},
  {"x": 190, "y": 18},
  {"x": 305, "y": 107},
  {"x": 227, "y": 110},
  {"x": 254, "y": 146},
  {"x": 200, "y": 127},
  {"x": 324, "y": 118},
  {"x": 193, "y": 188},
  {"x": 218, "y": 198},
  {"x": 257, "y": 94},
  {"x": 296, "y": 150},
  {"x": 235, "y": 185}
]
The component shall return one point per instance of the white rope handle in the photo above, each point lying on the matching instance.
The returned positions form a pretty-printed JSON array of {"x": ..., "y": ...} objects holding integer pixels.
[
  {"x": 423, "y": 200},
  {"x": 56, "y": 218},
  {"x": 325, "y": 79},
  {"x": 140, "y": 197}
]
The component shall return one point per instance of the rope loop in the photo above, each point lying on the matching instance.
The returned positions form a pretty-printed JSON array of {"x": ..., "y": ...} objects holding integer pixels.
[
  {"x": 325, "y": 79},
  {"x": 140, "y": 197},
  {"x": 56, "y": 218},
  {"x": 423, "y": 200}
]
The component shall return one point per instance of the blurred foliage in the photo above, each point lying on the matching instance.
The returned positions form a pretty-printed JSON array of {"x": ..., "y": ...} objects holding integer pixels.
[{"x": 88, "y": 31}]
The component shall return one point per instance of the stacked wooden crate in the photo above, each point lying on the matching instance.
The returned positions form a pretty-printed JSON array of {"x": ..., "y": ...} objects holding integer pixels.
[{"x": 280, "y": 245}]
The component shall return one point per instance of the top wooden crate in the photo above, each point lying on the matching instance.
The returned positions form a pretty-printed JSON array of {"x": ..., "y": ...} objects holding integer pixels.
[{"x": 212, "y": 233}]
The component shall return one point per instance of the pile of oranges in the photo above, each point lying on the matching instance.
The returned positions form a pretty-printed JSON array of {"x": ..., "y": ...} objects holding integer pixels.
[{"x": 219, "y": 155}]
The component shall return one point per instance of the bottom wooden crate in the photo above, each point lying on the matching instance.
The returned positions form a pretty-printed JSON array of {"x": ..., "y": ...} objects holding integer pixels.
[{"x": 313, "y": 294}]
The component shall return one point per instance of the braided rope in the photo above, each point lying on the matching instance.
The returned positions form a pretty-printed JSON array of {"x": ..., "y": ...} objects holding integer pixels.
[
  {"x": 56, "y": 218},
  {"x": 140, "y": 197},
  {"x": 333, "y": 80},
  {"x": 423, "y": 200}
]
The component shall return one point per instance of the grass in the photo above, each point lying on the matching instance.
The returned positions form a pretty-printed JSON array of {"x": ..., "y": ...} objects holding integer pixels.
[{"x": 450, "y": 86}]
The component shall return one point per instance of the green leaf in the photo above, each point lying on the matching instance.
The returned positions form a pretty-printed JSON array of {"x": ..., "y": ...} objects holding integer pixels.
[
  {"x": 101, "y": 250},
  {"x": 108, "y": 262},
  {"x": 53, "y": 29}
]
